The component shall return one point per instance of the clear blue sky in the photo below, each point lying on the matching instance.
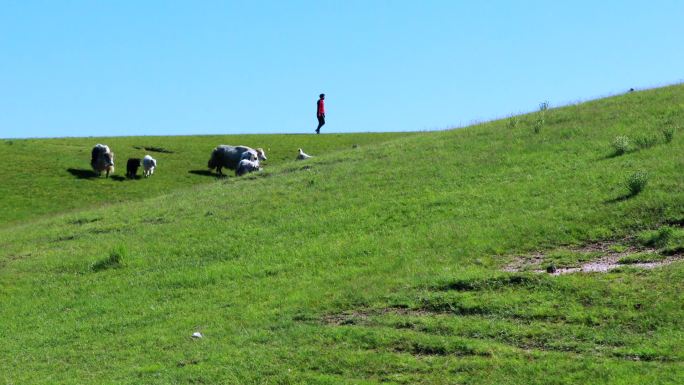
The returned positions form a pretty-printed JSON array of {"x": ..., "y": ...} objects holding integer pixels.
[{"x": 95, "y": 68}]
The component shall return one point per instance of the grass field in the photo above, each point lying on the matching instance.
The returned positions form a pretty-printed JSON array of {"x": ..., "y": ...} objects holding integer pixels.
[
  {"x": 376, "y": 264},
  {"x": 48, "y": 176}
]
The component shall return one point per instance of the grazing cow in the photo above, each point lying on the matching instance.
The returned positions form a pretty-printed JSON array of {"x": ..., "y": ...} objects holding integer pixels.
[
  {"x": 149, "y": 165},
  {"x": 302, "y": 155},
  {"x": 246, "y": 166},
  {"x": 132, "y": 167},
  {"x": 102, "y": 159},
  {"x": 230, "y": 156}
]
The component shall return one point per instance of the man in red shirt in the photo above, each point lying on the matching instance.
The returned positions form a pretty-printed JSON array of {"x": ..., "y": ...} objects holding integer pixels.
[{"x": 320, "y": 112}]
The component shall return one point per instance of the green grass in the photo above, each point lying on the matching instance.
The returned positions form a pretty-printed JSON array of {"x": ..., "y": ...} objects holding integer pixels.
[
  {"x": 668, "y": 239},
  {"x": 44, "y": 176},
  {"x": 115, "y": 260},
  {"x": 380, "y": 264},
  {"x": 641, "y": 258}
]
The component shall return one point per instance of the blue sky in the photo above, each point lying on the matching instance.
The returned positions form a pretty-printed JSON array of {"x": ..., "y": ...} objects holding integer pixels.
[{"x": 106, "y": 68}]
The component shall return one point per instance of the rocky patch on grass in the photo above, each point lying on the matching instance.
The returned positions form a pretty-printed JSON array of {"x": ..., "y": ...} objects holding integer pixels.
[{"x": 607, "y": 255}]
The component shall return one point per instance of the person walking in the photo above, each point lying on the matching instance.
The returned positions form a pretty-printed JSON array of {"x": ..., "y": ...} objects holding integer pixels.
[{"x": 320, "y": 112}]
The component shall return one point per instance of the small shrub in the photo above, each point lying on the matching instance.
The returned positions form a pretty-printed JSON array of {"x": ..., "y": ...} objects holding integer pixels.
[
  {"x": 668, "y": 134},
  {"x": 114, "y": 261},
  {"x": 538, "y": 124},
  {"x": 636, "y": 182},
  {"x": 620, "y": 145},
  {"x": 513, "y": 122},
  {"x": 645, "y": 141}
]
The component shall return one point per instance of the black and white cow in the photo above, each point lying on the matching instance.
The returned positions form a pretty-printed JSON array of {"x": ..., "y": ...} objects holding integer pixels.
[{"x": 230, "y": 156}]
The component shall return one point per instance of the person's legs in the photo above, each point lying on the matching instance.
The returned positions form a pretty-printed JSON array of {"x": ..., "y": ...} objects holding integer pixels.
[{"x": 321, "y": 122}]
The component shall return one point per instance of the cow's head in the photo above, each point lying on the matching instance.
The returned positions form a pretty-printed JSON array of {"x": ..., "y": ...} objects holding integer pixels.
[
  {"x": 261, "y": 154},
  {"x": 108, "y": 158}
]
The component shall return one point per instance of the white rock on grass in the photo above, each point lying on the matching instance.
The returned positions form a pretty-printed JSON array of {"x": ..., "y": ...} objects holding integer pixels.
[{"x": 197, "y": 335}]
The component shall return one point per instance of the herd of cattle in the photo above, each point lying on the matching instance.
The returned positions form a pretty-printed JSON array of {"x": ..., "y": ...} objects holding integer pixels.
[{"x": 242, "y": 159}]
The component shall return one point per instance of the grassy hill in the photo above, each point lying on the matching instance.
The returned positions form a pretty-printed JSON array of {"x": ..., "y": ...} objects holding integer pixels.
[
  {"x": 377, "y": 264},
  {"x": 45, "y": 176}
]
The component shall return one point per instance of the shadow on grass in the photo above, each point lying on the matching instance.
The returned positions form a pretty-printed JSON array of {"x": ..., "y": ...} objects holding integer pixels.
[
  {"x": 82, "y": 174},
  {"x": 206, "y": 173},
  {"x": 90, "y": 174},
  {"x": 613, "y": 155},
  {"x": 621, "y": 198},
  {"x": 153, "y": 149}
]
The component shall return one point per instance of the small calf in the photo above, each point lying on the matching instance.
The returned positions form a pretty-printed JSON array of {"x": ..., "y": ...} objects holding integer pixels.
[
  {"x": 132, "y": 167},
  {"x": 149, "y": 164},
  {"x": 246, "y": 166}
]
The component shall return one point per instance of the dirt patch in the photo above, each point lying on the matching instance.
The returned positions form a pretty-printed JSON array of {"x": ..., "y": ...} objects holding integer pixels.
[
  {"x": 82, "y": 221},
  {"x": 156, "y": 221},
  {"x": 346, "y": 318},
  {"x": 358, "y": 317},
  {"x": 65, "y": 238},
  {"x": 295, "y": 169},
  {"x": 608, "y": 260},
  {"x": 11, "y": 258},
  {"x": 609, "y": 263}
]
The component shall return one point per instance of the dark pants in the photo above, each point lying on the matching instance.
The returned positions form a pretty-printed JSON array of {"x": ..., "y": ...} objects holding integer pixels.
[{"x": 321, "y": 122}]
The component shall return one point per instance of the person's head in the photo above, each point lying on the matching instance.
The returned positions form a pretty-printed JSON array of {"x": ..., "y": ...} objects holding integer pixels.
[{"x": 322, "y": 96}]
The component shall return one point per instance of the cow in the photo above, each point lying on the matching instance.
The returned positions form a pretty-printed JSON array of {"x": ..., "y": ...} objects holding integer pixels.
[
  {"x": 102, "y": 159},
  {"x": 246, "y": 166},
  {"x": 149, "y": 164},
  {"x": 132, "y": 167},
  {"x": 302, "y": 155},
  {"x": 230, "y": 156}
]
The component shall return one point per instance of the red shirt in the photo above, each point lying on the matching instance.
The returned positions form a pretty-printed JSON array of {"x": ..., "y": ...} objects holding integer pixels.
[{"x": 321, "y": 107}]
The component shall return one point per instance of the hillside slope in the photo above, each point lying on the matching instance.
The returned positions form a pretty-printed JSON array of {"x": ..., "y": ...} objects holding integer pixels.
[
  {"x": 46, "y": 176},
  {"x": 381, "y": 264}
]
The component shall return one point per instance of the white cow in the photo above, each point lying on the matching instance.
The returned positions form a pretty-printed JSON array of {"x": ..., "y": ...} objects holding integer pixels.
[{"x": 149, "y": 164}]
